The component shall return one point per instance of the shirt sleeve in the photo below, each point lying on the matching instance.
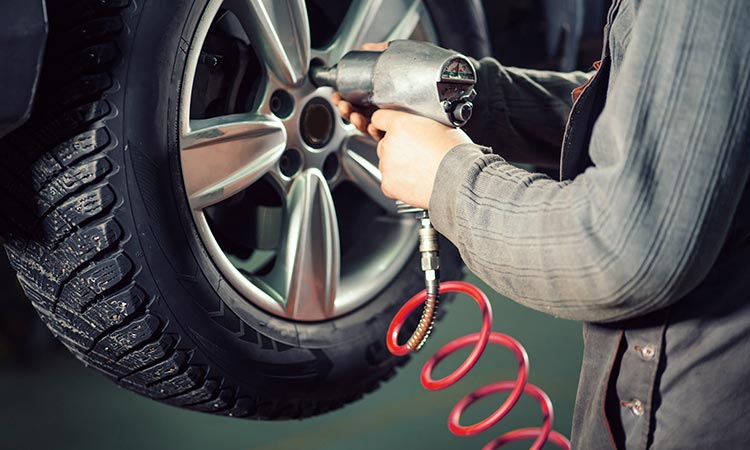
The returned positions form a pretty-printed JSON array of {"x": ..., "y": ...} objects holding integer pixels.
[
  {"x": 645, "y": 224},
  {"x": 521, "y": 113}
]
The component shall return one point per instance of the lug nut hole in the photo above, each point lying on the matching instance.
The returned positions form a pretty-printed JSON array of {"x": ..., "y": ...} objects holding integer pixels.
[
  {"x": 282, "y": 104},
  {"x": 290, "y": 162},
  {"x": 331, "y": 166}
]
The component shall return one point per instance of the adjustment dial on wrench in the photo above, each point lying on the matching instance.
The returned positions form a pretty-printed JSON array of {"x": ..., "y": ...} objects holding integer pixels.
[{"x": 456, "y": 89}]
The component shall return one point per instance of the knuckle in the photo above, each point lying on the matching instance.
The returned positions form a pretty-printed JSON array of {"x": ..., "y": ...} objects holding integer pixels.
[
  {"x": 383, "y": 147},
  {"x": 380, "y": 151},
  {"x": 385, "y": 188}
]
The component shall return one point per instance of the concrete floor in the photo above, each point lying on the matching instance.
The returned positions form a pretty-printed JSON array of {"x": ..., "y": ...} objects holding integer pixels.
[{"x": 62, "y": 405}]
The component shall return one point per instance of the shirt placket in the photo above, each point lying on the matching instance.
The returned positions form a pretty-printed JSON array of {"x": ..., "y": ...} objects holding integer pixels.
[
  {"x": 636, "y": 381},
  {"x": 578, "y": 128}
]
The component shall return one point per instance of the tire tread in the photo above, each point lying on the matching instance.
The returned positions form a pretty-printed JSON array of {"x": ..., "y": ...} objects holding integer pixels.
[{"x": 65, "y": 242}]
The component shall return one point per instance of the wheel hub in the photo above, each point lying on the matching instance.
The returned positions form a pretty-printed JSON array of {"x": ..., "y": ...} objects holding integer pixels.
[{"x": 314, "y": 130}]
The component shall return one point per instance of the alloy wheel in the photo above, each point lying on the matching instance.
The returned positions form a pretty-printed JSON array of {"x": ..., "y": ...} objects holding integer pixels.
[{"x": 286, "y": 195}]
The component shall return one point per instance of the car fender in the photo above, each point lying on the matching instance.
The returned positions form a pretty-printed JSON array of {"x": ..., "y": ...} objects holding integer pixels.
[{"x": 23, "y": 37}]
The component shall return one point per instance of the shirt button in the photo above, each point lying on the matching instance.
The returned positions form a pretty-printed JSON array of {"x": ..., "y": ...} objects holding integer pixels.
[
  {"x": 635, "y": 406},
  {"x": 647, "y": 352}
]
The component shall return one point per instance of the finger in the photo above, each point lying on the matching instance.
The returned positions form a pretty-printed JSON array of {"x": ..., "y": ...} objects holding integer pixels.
[
  {"x": 375, "y": 46},
  {"x": 336, "y": 98},
  {"x": 373, "y": 131},
  {"x": 359, "y": 121},
  {"x": 345, "y": 109},
  {"x": 383, "y": 184},
  {"x": 384, "y": 189}
]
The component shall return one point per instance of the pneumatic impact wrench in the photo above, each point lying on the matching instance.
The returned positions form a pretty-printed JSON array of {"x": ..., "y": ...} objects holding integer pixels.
[
  {"x": 418, "y": 78},
  {"x": 411, "y": 76}
]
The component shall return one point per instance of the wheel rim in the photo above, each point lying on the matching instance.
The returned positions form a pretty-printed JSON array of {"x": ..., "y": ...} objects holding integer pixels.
[{"x": 293, "y": 139}]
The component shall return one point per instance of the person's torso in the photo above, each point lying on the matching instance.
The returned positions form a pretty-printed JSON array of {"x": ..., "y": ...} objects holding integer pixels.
[{"x": 672, "y": 387}]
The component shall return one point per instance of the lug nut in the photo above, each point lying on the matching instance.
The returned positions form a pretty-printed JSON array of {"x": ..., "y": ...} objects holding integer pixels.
[
  {"x": 290, "y": 162},
  {"x": 282, "y": 104}
]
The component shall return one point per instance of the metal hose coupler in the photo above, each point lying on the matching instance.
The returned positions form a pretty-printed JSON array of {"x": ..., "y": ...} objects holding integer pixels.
[
  {"x": 429, "y": 249},
  {"x": 430, "y": 260}
]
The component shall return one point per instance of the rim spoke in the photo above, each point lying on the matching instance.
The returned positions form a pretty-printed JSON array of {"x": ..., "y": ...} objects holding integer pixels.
[
  {"x": 353, "y": 32},
  {"x": 280, "y": 32},
  {"x": 224, "y": 155},
  {"x": 365, "y": 174},
  {"x": 369, "y": 20},
  {"x": 307, "y": 267},
  {"x": 408, "y": 22}
]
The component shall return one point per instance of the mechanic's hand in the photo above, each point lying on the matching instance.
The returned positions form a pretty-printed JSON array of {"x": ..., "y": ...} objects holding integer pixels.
[
  {"x": 358, "y": 117},
  {"x": 410, "y": 153}
]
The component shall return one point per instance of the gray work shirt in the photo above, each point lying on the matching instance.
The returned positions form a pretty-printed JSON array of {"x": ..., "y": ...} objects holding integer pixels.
[{"x": 646, "y": 235}]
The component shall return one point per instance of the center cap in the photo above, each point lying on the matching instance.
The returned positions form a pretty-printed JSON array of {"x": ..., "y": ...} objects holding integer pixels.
[{"x": 316, "y": 123}]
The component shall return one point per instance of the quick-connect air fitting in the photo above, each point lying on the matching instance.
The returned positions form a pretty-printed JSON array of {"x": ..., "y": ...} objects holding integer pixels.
[
  {"x": 430, "y": 260},
  {"x": 429, "y": 248}
]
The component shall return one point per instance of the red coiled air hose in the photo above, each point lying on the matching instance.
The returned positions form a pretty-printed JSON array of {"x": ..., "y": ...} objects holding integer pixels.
[{"x": 480, "y": 340}]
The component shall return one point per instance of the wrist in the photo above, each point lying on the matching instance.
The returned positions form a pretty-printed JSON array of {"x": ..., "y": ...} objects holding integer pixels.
[{"x": 449, "y": 178}]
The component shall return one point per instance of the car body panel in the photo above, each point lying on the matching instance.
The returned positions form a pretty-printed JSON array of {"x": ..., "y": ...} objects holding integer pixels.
[{"x": 23, "y": 37}]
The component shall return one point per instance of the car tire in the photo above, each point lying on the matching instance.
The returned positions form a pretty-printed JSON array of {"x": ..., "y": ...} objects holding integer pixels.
[{"x": 99, "y": 230}]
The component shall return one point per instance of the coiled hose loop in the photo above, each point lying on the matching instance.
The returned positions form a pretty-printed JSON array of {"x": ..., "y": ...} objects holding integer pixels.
[{"x": 480, "y": 340}]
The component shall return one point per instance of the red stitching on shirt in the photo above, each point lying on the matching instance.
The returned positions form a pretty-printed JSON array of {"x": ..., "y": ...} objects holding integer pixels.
[{"x": 579, "y": 90}]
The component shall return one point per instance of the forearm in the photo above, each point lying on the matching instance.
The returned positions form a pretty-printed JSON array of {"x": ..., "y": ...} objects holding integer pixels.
[
  {"x": 584, "y": 250},
  {"x": 521, "y": 113}
]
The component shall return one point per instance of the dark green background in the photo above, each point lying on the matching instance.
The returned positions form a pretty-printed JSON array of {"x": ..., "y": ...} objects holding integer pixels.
[{"x": 59, "y": 404}]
